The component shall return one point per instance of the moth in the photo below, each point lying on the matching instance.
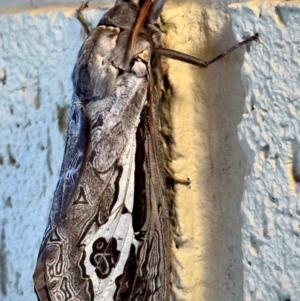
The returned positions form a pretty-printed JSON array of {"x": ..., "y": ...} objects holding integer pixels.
[{"x": 108, "y": 235}]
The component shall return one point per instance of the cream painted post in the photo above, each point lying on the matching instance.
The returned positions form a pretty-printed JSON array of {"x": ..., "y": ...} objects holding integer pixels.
[{"x": 205, "y": 109}]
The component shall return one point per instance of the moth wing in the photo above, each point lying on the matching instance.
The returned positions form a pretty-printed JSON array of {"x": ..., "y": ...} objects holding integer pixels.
[
  {"x": 78, "y": 137},
  {"x": 135, "y": 240},
  {"x": 74, "y": 157},
  {"x": 146, "y": 274},
  {"x": 89, "y": 244},
  {"x": 107, "y": 250}
]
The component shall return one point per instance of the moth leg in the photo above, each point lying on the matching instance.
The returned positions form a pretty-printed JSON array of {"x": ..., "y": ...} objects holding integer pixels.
[
  {"x": 154, "y": 29},
  {"x": 176, "y": 55},
  {"x": 155, "y": 12},
  {"x": 171, "y": 175},
  {"x": 81, "y": 18}
]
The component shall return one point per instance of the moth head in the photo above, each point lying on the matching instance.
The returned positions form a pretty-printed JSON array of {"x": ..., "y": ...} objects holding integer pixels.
[{"x": 144, "y": 26}]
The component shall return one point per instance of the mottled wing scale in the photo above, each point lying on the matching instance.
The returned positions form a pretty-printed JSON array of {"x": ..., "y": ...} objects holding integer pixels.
[{"x": 108, "y": 234}]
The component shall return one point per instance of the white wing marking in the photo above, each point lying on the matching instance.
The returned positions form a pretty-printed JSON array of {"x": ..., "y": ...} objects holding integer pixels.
[{"x": 118, "y": 226}]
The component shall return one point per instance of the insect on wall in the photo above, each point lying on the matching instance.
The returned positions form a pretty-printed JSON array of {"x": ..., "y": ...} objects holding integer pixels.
[{"x": 108, "y": 236}]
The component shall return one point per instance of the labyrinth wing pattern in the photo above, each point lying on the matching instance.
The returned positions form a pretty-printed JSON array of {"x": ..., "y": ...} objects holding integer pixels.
[{"x": 108, "y": 236}]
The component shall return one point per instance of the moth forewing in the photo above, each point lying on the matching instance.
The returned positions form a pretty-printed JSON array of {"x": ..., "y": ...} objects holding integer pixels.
[{"x": 117, "y": 228}]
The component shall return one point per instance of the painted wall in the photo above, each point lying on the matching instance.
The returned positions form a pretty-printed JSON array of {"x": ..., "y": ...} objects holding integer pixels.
[
  {"x": 269, "y": 134},
  {"x": 38, "y": 48}
]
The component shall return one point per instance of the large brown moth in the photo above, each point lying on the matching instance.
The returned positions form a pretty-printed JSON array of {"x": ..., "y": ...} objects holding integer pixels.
[{"x": 108, "y": 235}]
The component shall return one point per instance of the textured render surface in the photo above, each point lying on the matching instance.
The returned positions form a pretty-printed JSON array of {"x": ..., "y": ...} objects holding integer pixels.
[
  {"x": 269, "y": 133},
  {"x": 19, "y": 5},
  {"x": 38, "y": 49},
  {"x": 13, "y": 4}
]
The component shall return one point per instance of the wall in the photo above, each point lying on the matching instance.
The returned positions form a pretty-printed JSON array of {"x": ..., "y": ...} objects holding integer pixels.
[
  {"x": 269, "y": 134},
  {"x": 39, "y": 43}
]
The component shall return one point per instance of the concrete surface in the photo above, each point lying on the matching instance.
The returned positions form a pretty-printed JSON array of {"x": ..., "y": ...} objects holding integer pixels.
[{"x": 269, "y": 134}]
